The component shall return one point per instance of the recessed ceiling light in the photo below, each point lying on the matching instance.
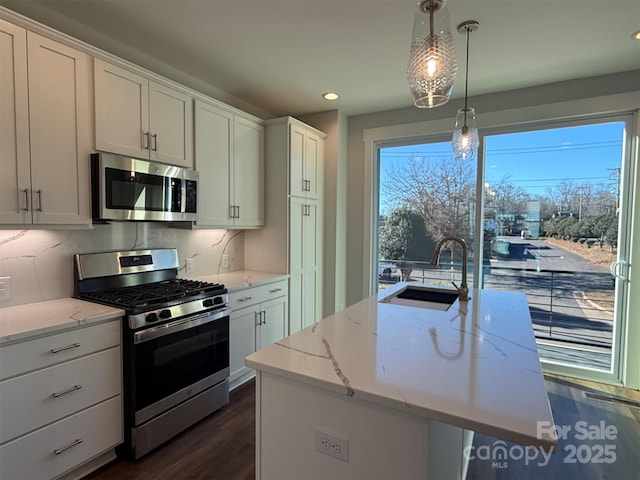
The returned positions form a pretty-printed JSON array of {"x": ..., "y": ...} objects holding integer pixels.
[
  {"x": 330, "y": 96},
  {"x": 636, "y": 35}
]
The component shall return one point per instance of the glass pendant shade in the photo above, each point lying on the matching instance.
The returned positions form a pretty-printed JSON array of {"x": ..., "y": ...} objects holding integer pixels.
[
  {"x": 432, "y": 60},
  {"x": 465, "y": 141}
]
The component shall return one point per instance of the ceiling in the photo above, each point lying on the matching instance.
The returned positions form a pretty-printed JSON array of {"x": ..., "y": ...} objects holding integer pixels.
[{"x": 281, "y": 55}]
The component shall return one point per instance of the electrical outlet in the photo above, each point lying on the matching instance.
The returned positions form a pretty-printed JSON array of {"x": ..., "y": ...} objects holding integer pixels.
[
  {"x": 332, "y": 444},
  {"x": 225, "y": 262},
  {"x": 191, "y": 264},
  {"x": 5, "y": 288}
]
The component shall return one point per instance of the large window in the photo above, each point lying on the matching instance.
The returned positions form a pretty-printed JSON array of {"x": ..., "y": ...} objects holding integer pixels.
[{"x": 552, "y": 198}]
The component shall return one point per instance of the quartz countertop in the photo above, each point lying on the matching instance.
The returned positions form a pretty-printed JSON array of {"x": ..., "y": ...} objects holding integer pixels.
[
  {"x": 474, "y": 366},
  {"x": 21, "y": 322},
  {"x": 243, "y": 279}
]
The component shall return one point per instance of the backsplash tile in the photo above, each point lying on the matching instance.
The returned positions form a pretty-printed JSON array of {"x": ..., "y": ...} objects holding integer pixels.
[{"x": 40, "y": 262}]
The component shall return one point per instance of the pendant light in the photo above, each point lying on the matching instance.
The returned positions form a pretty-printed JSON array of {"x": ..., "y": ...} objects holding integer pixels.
[
  {"x": 465, "y": 140},
  {"x": 432, "y": 59}
]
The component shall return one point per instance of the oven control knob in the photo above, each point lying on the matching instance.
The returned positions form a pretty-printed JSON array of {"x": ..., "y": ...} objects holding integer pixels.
[
  {"x": 208, "y": 302},
  {"x": 151, "y": 317},
  {"x": 165, "y": 314}
]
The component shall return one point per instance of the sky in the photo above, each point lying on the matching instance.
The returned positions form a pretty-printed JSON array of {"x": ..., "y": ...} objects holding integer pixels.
[{"x": 539, "y": 159}]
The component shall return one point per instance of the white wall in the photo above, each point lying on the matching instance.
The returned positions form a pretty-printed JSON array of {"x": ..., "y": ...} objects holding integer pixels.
[{"x": 40, "y": 262}]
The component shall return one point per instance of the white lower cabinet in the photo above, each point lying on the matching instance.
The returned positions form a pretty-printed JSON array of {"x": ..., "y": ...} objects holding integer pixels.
[
  {"x": 259, "y": 317},
  {"x": 60, "y": 402}
]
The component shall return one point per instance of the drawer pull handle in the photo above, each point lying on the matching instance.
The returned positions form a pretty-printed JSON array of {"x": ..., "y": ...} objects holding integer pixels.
[
  {"x": 275, "y": 290},
  {"x": 68, "y": 347},
  {"x": 244, "y": 299},
  {"x": 68, "y": 390},
  {"x": 77, "y": 441}
]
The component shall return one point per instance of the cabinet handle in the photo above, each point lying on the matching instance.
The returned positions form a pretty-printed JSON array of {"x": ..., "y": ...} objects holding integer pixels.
[
  {"x": 39, "y": 194},
  {"x": 77, "y": 441},
  {"x": 68, "y": 390},
  {"x": 238, "y": 211},
  {"x": 155, "y": 142},
  {"x": 145, "y": 140},
  {"x": 244, "y": 299},
  {"x": 26, "y": 199},
  {"x": 257, "y": 317},
  {"x": 274, "y": 290},
  {"x": 263, "y": 315},
  {"x": 60, "y": 349}
]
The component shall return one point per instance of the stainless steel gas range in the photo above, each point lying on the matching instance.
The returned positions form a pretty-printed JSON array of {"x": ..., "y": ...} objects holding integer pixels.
[{"x": 175, "y": 337}]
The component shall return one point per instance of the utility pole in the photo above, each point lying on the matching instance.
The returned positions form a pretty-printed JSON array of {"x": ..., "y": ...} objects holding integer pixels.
[{"x": 616, "y": 176}]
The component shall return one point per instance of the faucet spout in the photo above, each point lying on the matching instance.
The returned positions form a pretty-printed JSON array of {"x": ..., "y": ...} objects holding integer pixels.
[{"x": 463, "y": 289}]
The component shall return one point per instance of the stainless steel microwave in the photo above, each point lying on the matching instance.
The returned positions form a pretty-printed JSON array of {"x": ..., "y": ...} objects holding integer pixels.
[{"x": 125, "y": 188}]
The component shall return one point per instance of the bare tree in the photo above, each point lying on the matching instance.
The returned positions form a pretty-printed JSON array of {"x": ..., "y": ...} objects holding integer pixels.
[{"x": 440, "y": 190}]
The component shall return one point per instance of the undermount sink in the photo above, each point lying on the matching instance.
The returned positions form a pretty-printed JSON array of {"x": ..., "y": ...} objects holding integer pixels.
[{"x": 423, "y": 297}]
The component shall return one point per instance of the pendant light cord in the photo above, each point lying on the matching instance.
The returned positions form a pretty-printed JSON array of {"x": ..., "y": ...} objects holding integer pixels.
[{"x": 466, "y": 80}]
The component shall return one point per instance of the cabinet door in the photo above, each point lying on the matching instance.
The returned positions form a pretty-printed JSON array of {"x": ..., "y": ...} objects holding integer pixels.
[
  {"x": 274, "y": 322},
  {"x": 242, "y": 339},
  {"x": 248, "y": 173},
  {"x": 59, "y": 124},
  {"x": 313, "y": 154},
  {"x": 171, "y": 126},
  {"x": 297, "y": 213},
  {"x": 310, "y": 305},
  {"x": 296, "y": 161},
  {"x": 121, "y": 110},
  {"x": 296, "y": 302},
  {"x": 311, "y": 241},
  {"x": 15, "y": 178},
  {"x": 213, "y": 150}
]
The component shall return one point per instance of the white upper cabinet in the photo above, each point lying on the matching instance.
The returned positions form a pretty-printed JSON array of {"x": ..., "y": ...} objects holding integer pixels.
[
  {"x": 139, "y": 117},
  {"x": 247, "y": 193},
  {"x": 306, "y": 152},
  {"x": 45, "y": 130},
  {"x": 229, "y": 158}
]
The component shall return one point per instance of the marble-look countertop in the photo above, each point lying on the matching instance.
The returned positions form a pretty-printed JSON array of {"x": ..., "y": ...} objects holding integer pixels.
[
  {"x": 21, "y": 322},
  {"x": 242, "y": 279},
  {"x": 474, "y": 367}
]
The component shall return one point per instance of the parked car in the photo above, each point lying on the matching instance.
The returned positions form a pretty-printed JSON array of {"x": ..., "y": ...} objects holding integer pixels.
[{"x": 388, "y": 271}]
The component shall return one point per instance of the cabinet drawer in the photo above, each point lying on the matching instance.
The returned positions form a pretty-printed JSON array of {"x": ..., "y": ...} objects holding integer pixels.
[
  {"x": 253, "y": 295},
  {"x": 43, "y": 453},
  {"x": 36, "y": 399},
  {"x": 42, "y": 352}
]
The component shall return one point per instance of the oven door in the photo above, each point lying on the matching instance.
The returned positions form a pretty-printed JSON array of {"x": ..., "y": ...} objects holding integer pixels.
[{"x": 177, "y": 360}]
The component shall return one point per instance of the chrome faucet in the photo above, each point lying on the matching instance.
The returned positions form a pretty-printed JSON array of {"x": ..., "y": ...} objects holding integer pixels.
[{"x": 463, "y": 289}]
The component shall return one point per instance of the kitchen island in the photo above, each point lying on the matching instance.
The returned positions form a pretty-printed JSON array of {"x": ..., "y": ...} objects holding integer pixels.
[{"x": 381, "y": 390}]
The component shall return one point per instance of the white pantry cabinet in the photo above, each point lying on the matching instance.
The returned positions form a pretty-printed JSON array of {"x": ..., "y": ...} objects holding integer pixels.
[
  {"x": 139, "y": 117},
  {"x": 61, "y": 402},
  {"x": 229, "y": 158},
  {"x": 45, "y": 130},
  {"x": 258, "y": 319},
  {"x": 291, "y": 240}
]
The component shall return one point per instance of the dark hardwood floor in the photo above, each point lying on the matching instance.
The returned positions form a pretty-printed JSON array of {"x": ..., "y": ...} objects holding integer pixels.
[{"x": 222, "y": 446}]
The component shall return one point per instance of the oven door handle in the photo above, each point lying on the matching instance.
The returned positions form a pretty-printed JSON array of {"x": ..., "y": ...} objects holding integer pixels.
[{"x": 178, "y": 325}]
